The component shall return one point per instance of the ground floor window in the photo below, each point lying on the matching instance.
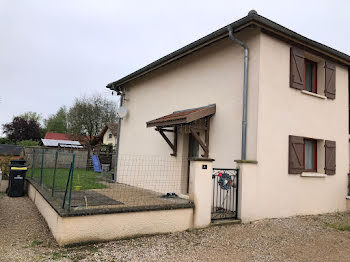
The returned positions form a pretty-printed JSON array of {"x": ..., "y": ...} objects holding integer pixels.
[{"x": 310, "y": 155}]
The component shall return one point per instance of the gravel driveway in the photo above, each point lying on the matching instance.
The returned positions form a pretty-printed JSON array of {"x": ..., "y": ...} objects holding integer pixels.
[{"x": 24, "y": 236}]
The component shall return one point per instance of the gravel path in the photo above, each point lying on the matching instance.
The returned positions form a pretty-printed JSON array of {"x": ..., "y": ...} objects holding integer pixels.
[{"x": 24, "y": 236}]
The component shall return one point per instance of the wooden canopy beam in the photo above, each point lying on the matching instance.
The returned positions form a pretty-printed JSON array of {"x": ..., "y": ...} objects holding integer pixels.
[
  {"x": 204, "y": 126},
  {"x": 173, "y": 145},
  {"x": 200, "y": 141}
]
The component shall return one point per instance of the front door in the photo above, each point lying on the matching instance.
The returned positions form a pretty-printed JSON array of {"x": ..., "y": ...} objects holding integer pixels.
[{"x": 193, "y": 151}]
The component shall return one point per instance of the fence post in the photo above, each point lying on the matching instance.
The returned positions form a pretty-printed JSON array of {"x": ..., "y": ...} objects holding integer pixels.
[
  {"x": 33, "y": 161},
  {"x": 54, "y": 175},
  {"x": 65, "y": 192},
  {"x": 71, "y": 184},
  {"x": 42, "y": 165},
  {"x": 201, "y": 190}
]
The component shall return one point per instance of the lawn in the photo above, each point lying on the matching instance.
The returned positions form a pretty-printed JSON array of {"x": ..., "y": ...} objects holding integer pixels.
[{"x": 86, "y": 179}]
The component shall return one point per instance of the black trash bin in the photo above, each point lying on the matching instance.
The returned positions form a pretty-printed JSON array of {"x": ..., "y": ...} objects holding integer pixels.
[{"x": 18, "y": 172}]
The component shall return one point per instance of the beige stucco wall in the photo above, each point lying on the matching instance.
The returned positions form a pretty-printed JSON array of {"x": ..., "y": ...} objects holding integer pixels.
[
  {"x": 213, "y": 75},
  {"x": 78, "y": 229},
  {"x": 283, "y": 111},
  {"x": 275, "y": 111},
  {"x": 106, "y": 140}
]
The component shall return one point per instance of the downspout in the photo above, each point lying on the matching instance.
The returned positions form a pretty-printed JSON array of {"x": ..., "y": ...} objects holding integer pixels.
[
  {"x": 245, "y": 87},
  {"x": 119, "y": 122}
]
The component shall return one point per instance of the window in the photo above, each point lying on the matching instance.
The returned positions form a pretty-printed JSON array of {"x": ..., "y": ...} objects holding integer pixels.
[
  {"x": 311, "y": 73},
  {"x": 310, "y": 83},
  {"x": 110, "y": 136},
  {"x": 310, "y": 155}
]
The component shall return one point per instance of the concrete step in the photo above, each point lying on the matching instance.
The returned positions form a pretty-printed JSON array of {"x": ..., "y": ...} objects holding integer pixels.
[{"x": 221, "y": 222}]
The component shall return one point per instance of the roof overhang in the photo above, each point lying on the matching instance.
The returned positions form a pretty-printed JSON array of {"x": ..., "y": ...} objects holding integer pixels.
[
  {"x": 252, "y": 19},
  {"x": 183, "y": 117}
]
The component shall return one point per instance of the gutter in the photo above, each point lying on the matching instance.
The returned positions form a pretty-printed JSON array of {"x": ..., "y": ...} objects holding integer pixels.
[
  {"x": 118, "y": 138},
  {"x": 245, "y": 89}
]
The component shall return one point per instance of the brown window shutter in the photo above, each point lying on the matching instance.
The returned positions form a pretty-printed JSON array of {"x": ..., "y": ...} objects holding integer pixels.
[
  {"x": 329, "y": 90},
  {"x": 297, "y": 68},
  {"x": 296, "y": 154},
  {"x": 330, "y": 159}
]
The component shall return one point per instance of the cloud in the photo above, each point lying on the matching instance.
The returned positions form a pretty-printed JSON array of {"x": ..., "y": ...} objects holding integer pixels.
[{"x": 54, "y": 51}]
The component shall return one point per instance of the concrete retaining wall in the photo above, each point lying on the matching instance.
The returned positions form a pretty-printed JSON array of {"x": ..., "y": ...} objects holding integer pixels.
[{"x": 102, "y": 227}]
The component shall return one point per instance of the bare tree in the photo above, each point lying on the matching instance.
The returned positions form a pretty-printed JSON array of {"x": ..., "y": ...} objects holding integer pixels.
[{"x": 88, "y": 115}]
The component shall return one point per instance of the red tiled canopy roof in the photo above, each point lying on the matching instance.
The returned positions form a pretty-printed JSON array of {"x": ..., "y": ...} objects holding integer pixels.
[{"x": 183, "y": 116}]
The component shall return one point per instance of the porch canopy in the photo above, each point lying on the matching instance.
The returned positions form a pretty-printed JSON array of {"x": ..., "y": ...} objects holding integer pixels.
[{"x": 194, "y": 120}]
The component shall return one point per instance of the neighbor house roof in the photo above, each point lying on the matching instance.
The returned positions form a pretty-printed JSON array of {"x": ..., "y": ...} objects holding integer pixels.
[
  {"x": 183, "y": 116},
  {"x": 252, "y": 19},
  {"x": 58, "y": 136},
  {"x": 61, "y": 143},
  {"x": 10, "y": 150},
  {"x": 111, "y": 126}
]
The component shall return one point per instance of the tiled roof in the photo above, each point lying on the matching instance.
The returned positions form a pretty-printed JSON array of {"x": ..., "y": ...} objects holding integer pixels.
[
  {"x": 57, "y": 136},
  {"x": 113, "y": 127},
  {"x": 183, "y": 116}
]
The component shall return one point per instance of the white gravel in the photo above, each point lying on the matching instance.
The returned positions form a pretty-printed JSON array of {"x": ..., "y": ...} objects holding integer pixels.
[{"x": 24, "y": 236}]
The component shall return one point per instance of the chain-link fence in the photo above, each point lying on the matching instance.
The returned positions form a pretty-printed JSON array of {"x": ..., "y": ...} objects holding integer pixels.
[
  {"x": 51, "y": 171},
  {"x": 141, "y": 182}
]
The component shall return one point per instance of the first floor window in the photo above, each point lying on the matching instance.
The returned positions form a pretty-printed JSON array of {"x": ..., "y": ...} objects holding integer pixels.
[
  {"x": 310, "y": 76},
  {"x": 310, "y": 155},
  {"x": 110, "y": 136}
]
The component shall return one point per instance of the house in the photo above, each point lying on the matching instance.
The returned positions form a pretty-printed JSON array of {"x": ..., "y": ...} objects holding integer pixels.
[
  {"x": 110, "y": 134},
  {"x": 107, "y": 136},
  {"x": 255, "y": 96},
  {"x": 52, "y": 139}
]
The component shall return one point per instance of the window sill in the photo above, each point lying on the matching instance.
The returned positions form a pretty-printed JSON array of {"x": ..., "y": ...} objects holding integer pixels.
[
  {"x": 312, "y": 174},
  {"x": 313, "y": 94}
]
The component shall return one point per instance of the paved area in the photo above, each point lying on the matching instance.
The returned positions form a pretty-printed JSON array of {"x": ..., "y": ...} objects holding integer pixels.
[
  {"x": 24, "y": 236},
  {"x": 115, "y": 196}
]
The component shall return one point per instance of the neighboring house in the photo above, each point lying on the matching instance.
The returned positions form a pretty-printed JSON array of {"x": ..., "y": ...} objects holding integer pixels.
[
  {"x": 110, "y": 134},
  {"x": 107, "y": 136},
  {"x": 295, "y": 157},
  {"x": 60, "y": 140}
]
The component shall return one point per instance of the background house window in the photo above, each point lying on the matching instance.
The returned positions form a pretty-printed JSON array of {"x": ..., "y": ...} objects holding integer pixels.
[
  {"x": 310, "y": 155},
  {"x": 310, "y": 76},
  {"x": 110, "y": 136}
]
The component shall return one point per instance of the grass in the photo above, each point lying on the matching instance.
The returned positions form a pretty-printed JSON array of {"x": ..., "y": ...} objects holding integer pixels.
[
  {"x": 36, "y": 243},
  {"x": 86, "y": 179},
  {"x": 340, "y": 227}
]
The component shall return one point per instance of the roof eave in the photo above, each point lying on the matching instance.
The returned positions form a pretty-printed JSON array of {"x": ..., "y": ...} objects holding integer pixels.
[{"x": 221, "y": 33}]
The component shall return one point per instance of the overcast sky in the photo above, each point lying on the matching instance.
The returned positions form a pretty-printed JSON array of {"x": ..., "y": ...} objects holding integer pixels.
[{"x": 54, "y": 51}]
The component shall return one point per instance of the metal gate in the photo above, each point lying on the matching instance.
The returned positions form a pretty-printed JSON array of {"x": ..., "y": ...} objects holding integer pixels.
[{"x": 225, "y": 193}]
